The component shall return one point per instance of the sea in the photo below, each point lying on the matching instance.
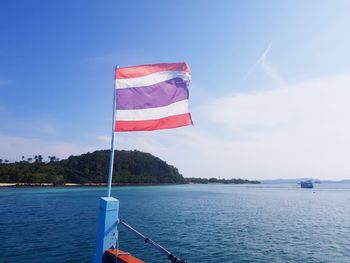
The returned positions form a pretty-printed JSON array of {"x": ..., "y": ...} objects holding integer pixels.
[{"x": 200, "y": 223}]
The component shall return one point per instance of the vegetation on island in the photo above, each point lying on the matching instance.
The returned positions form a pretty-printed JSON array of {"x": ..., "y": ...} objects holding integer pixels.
[
  {"x": 219, "y": 181},
  {"x": 130, "y": 167}
]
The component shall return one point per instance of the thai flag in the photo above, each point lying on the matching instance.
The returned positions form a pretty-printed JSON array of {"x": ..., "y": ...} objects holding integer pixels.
[{"x": 152, "y": 97}]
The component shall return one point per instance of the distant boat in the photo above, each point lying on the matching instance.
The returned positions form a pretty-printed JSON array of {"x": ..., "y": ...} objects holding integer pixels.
[{"x": 307, "y": 184}]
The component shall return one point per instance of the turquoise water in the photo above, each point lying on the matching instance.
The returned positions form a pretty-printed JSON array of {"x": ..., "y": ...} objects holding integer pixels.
[{"x": 203, "y": 223}]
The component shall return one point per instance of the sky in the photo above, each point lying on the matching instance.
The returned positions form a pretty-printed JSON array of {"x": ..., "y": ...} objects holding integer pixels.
[{"x": 269, "y": 95}]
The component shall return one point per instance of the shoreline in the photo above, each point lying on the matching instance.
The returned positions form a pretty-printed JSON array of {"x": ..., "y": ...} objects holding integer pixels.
[
  {"x": 23, "y": 185},
  {"x": 20, "y": 185}
]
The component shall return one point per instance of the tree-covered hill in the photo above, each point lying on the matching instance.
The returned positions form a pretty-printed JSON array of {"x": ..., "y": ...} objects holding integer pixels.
[
  {"x": 130, "y": 167},
  {"x": 220, "y": 181}
]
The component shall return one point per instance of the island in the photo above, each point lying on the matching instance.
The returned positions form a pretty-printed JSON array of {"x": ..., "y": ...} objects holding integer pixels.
[{"x": 130, "y": 168}]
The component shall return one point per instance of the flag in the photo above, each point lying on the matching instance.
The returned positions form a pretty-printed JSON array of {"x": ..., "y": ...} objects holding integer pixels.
[{"x": 152, "y": 97}]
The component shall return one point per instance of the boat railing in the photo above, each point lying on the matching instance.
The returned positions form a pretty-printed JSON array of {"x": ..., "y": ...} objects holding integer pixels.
[{"x": 161, "y": 249}]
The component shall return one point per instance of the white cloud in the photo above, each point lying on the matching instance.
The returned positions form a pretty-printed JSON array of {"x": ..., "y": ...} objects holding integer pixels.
[{"x": 300, "y": 130}]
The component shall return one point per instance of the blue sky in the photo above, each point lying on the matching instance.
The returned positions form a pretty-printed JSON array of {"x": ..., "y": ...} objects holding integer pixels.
[{"x": 269, "y": 91}]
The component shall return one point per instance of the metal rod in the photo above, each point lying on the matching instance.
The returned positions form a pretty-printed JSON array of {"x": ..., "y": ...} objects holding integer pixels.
[
  {"x": 146, "y": 239},
  {"x": 111, "y": 158},
  {"x": 163, "y": 250}
]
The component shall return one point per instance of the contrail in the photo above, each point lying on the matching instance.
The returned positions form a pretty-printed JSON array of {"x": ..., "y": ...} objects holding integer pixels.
[{"x": 261, "y": 60}]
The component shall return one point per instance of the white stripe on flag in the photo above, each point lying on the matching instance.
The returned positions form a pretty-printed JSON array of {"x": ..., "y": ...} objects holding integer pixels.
[
  {"x": 151, "y": 79},
  {"x": 180, "y": 107}
]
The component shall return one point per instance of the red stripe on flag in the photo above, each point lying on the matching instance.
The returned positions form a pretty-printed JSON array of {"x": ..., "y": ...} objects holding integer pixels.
[
  {"x": 143, "y": 70},
  {"x": 150, "y": 125}
]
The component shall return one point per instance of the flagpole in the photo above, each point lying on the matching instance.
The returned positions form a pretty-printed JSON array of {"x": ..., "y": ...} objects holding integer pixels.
[
  {"x": 108, "y": 215},
  {"x": 111, "y": 158}
]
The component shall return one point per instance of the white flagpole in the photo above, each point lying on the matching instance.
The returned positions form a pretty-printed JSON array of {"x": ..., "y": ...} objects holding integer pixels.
[{"x": 111, "y": 160}]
